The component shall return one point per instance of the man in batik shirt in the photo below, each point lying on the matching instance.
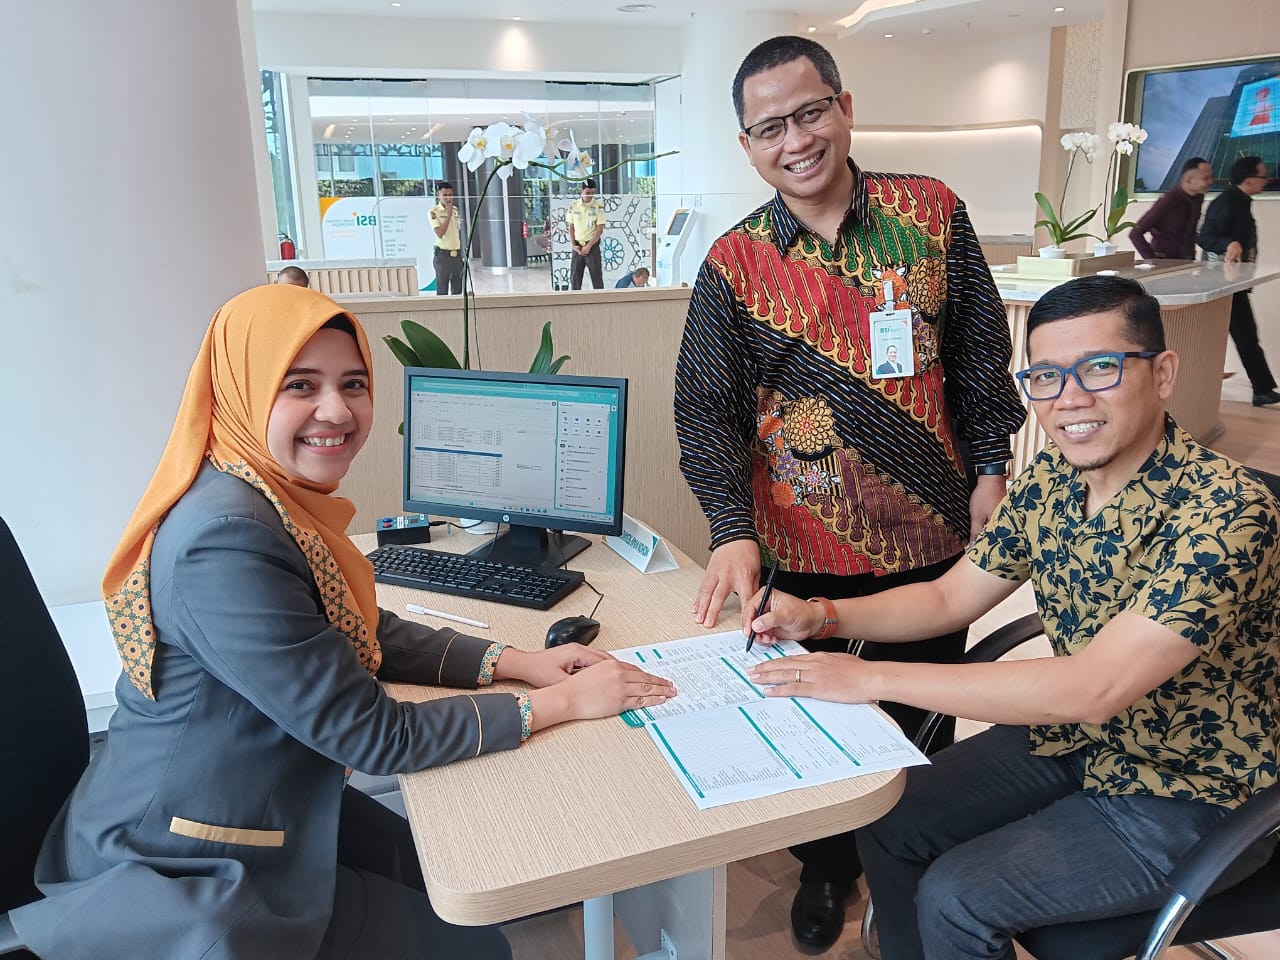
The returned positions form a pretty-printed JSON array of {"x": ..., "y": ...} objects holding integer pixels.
[{"x": 796, "y": 446}]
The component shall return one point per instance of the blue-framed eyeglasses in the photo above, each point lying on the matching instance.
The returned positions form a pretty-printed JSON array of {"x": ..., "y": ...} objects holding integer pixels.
[
  {"x": 1095, "y": 373},
  {"x": 809, "y": 117}
]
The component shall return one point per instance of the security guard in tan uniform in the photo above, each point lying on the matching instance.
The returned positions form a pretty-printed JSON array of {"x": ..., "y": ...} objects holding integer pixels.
[
  {"x": 586, "y": 225},
  {"x": 448, "y": 257}
]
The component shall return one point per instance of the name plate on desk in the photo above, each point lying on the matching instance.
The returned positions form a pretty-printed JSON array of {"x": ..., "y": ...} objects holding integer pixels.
[{"x": 641, "y": 547}]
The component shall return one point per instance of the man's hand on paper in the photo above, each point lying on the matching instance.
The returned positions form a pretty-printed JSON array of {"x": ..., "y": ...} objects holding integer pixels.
[
  {"x": 603, "y": 689},
  {"x": 734, "y": 567},
  {"x": 788, "y": 618},
  {"x": 841, "y": 677}
]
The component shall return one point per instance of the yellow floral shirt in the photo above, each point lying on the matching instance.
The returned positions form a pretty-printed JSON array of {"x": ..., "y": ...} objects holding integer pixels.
[{"x": 1190, "y": 543}]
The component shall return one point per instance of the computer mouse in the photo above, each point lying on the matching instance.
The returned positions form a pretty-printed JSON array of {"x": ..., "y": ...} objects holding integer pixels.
[{"x": 572, "y": 630}]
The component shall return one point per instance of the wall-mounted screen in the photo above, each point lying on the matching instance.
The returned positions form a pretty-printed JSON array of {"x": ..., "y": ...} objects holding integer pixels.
[{"x": 1218, "y": 111}]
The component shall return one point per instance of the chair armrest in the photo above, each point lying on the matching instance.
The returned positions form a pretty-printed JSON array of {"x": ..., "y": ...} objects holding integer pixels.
[
  {"x": 991, "y": 647},
  {"x": 1201, "y": 866}
]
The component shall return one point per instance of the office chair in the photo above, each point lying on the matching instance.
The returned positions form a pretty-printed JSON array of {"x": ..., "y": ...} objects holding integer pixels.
[
  {"x": 1189, "y": 917},
  {"x": 44, "y": 734}
]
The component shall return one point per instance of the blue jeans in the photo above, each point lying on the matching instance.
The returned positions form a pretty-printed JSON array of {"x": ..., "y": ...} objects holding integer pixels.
[{"x": 990, "y": 841}]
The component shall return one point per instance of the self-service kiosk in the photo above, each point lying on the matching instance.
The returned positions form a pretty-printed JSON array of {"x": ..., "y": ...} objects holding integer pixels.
[{"x": 671, "y": 246}]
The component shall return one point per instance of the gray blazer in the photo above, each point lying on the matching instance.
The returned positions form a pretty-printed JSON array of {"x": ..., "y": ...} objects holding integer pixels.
[{"x": 208, "y": 825}]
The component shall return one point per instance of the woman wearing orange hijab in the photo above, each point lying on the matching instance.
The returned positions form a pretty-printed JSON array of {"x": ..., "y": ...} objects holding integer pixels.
[{"x": 216, "y": 822}]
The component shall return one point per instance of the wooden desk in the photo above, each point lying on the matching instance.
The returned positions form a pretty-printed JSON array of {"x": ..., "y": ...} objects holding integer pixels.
[{"x": 586, "y": 809}]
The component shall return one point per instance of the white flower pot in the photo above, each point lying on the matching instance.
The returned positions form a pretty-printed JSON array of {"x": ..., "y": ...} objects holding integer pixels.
[
  {"x": 1052, "y": 252},
  {"x": 1104, "y": 249}
]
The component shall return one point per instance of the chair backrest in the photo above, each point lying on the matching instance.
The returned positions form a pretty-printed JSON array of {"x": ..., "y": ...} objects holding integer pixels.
[{"x": 44, "y": 735}]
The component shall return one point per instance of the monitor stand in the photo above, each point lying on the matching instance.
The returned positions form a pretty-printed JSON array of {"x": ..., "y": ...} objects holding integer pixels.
[{"x": 531, "y": 547}]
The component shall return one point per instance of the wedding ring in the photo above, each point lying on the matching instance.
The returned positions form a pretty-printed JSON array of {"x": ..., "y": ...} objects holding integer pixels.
[{"x": 797, "y": 676}]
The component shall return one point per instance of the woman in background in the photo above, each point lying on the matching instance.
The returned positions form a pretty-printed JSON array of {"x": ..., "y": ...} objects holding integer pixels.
[{"x": 216, "y": 822}]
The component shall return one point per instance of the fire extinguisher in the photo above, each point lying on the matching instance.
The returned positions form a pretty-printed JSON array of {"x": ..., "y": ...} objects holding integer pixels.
[{"x": 287, "y": 250}]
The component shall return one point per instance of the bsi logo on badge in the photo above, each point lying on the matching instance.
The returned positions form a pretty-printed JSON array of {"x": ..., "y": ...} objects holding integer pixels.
[{"x": 365, "y": 220}]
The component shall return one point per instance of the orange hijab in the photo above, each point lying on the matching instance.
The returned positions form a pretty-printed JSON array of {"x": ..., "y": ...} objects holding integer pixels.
[{"x": 223, "y": 417}]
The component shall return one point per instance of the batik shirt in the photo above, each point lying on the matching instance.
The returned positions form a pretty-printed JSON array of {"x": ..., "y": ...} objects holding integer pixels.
[
  {"x": 786, "y": 433},
  {"x": 1190, "y": 543}
]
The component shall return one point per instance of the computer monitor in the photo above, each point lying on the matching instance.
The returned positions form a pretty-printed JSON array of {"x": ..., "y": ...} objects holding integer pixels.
[{"x": 541, "y": 453}]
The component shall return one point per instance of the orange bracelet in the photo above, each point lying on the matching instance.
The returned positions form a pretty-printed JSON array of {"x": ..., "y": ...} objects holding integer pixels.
[{"x": 831, "y": 619}]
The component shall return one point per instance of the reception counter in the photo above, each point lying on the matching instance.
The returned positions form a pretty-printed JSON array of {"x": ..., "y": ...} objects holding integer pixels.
[{"x": 1195, "y": 304}]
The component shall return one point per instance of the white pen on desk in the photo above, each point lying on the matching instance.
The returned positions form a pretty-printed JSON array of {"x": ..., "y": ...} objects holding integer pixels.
[{"x": 427, "y": 611}]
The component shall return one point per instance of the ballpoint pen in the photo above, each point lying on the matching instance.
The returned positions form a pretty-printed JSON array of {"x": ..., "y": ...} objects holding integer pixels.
[{"x": 764, "y": 602}]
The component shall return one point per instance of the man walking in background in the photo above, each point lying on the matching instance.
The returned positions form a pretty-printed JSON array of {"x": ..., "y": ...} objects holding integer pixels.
[
  {"x": 1231, "y": 234},
  {"x": 851, "y": 482},
  {"x": 1168, "y": 230},
  {"x": 586, "y": 224},
  {"x": 448, "y": 255}
]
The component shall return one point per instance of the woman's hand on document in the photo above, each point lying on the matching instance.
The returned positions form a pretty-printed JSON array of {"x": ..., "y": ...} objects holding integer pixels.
[
  {"x": 824, "y": 676},
  {"x": 603, "y": 689},
  {"x": 788, "y": 618}
]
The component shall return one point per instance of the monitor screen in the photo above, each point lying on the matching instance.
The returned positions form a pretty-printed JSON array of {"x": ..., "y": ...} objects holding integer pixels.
[
  {"x": 1218, "y": 112},
  {"x": 538, "y": 452},
  {"x": 677, "y": 223}
]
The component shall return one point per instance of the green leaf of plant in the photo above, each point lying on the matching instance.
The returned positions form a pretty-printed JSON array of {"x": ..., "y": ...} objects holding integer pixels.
[
  {"x": 542, "y": 359},
  {"x": 431, "y": 350},
  {"x": 404, "y": 353},
  {"x": 1050, "y": 217},
  {"x": 559, "y": 362}
]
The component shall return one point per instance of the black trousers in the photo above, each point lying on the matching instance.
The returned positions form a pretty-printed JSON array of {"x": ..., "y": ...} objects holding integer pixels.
[
  {"x": 592, "y": 263},
  {"x": 1244, "y": 334},
  {"x": 448, "y": 272},
  {"x": 834, "y": 859},
  {"x": 380, "y": 906}
]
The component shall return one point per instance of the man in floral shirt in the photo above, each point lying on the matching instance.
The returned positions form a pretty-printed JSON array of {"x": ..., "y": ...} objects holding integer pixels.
[
  {"x": 850, "y": 478},
  {"x": 1156, "y": 566}
]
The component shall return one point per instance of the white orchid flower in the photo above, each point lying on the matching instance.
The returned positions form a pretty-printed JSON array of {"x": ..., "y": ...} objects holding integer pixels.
[
  {"x": 1139, "y": 135},
  {"x": 529, "y": 146},
  {"x": 1124, "y": 148},
  {"x": 1067, "y": 143},
  {"x": 577, "y": 163},
  {"x": 533, "y": 129},
  {"x": 472, "y": 152},
  {"x": 500, "y": 140}
]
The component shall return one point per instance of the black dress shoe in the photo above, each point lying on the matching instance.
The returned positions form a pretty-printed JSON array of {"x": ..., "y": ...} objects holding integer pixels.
[
  {"x": 1264, "y": 399},
  {"x": 817, "y": 914}
]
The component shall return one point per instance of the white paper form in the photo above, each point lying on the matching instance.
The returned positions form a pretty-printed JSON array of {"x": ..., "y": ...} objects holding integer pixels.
[
  {"x": 728, "y": 742},
  {"x": 708, "y": 672}
]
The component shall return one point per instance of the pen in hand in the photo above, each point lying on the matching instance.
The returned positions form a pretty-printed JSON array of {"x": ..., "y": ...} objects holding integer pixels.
[{"x": 764, "y": 601}]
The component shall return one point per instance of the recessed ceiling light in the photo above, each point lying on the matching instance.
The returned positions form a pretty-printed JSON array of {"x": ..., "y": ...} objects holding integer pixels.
[
  {"x": 395, "y": 3},
  {"x": 888, "y": 36},
  {"x": 1059, "y": 9},
  {"x": 635, "y": 8},
  {"x": 812, "y": 28},
  {"x": 517, "y": 18}
]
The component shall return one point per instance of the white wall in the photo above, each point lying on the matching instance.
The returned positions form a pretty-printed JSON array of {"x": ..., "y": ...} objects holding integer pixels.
[
  {"x": 139, "y": 219},
  {"x": 968, "y": 113}
]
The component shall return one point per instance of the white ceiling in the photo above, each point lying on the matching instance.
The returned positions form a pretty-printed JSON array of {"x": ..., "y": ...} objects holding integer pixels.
[
  {"x": 918, "y": 23},
  {"x": 921, "y": 18}
]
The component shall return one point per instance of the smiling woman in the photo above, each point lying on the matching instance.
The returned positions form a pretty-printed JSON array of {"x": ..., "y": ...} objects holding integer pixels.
[{"x": 251, "y": 637}]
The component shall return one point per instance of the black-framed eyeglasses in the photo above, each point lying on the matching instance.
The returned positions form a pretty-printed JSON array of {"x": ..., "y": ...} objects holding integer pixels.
[
  {"x": 1095, "y": 373},
  {"x": 811, "y": 116}
]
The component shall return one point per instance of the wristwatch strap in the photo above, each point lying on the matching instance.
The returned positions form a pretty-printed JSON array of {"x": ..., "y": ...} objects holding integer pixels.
[
  {"x": 991, "y": 469},
  {"x": 830, "y": 618}
]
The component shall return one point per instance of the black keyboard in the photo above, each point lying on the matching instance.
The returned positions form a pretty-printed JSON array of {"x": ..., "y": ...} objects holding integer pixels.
[{"x": 466, "y": 576}]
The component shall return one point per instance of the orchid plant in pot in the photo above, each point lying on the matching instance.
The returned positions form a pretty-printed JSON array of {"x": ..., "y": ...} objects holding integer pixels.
[
  {"x": 1123, "y": 137},
  {"x": 1077, "y": 144}
]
